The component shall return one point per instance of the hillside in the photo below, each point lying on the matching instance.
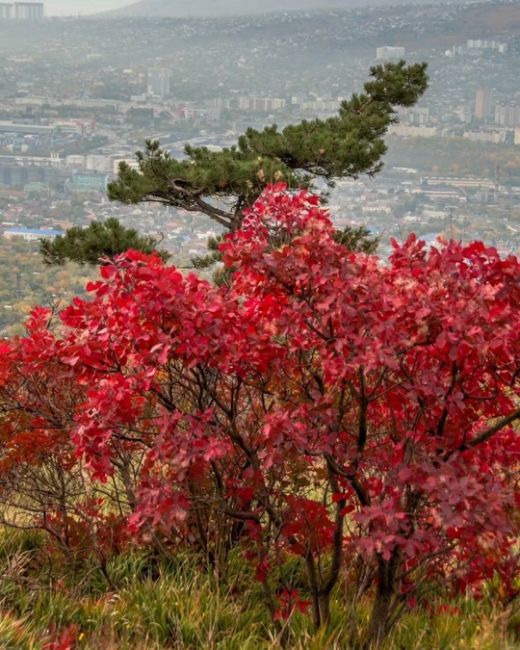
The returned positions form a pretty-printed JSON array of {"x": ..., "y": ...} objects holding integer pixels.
[
  {"x": 502, "y": 18},
  {"x": 195, "y": 8},
  {"x": 480, "y": 20}
]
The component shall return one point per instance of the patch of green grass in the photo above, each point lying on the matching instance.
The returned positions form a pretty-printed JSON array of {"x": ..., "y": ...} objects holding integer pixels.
[{"x": 178, "y": 604}]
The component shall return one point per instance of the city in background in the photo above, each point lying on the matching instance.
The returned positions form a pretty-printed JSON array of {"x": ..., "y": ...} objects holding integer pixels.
[{"x": 106, "y": 83}]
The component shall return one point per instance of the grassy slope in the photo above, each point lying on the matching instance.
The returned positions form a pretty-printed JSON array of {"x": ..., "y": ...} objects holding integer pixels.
[{"x": 178, "y": 605}]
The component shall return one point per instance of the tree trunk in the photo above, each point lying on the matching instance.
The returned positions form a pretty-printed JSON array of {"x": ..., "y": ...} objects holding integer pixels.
[
  {"x": 320, "y": 609},
  {"x": 324, "y": 603},
  {"x": 382, "y": 609},
  {"x": 128, "y": 484},
  {"x": 377, "y": 628}
]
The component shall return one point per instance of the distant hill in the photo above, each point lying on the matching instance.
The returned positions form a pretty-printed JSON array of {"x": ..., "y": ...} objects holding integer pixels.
[
  {"x": 480, "y": 21},
  {"x": 477, "y": 19},
  {"x": 502, "y": 18},
  {"x": 213, "y": 8}
]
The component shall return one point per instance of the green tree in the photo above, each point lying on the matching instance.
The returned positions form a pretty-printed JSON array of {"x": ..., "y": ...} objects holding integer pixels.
[
  {"x": 220, "y": 184},
  {"x": 99, "y": 240}
]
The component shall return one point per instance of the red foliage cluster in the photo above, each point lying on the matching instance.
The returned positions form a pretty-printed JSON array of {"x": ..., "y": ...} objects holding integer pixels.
[
  {"x": 322, "y": 403},
  {"x": 64, "y": 640}
]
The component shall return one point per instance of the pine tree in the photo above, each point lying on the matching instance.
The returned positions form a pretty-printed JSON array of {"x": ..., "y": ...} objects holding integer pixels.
[
  {"x": 99, "y": 241},
  {"x": 220, "y": 184}
]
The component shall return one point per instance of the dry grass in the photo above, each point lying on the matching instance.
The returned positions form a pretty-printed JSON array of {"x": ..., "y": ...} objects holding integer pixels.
[{"x": 178, "y": 605}]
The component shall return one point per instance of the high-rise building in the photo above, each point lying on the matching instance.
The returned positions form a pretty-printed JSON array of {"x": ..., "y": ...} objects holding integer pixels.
[
  {"x": 390, "y": 53},
  {"x": 22, "y": 11},
  {"x": 507, "y": 114},
  {"x": 479, "y": 44},
  {"x": 29, "y": 10},
  {"x": 6, "y": 10},
  {"x": 159, "y": 82},
  {"x": 419, "y": 116},
  {"x": 482, "y": 103}
]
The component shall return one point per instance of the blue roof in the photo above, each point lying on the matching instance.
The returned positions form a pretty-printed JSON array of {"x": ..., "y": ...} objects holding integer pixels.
[{"x": 35, "y": 231}]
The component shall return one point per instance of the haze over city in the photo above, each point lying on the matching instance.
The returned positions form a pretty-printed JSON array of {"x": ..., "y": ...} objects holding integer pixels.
[
  {"x": 212, "y": 7},
  {"x": 104, "y": 86}
]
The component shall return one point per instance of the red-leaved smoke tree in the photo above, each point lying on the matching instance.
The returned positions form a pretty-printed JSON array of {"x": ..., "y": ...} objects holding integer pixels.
[
  {"x": 355, "y": 413},
  {"x": 43, "y": 483}
]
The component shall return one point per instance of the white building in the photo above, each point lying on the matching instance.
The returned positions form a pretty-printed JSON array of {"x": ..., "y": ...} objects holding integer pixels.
[
  {"x": 31, "y": 234},
  {"x": 261, "y": 104},
  {"x": 75, "y": 160},
  {"x": 28, "y": 11},
  {"x": 480, "y": 44},
  {"x": 159, "y": 82},
  {"x": 493, "y": 137},
  {"x": 390, "y": 53},
  {"x": 99, "y": 163},
  {"x": 507, "y": 114},
  {"x": 6, "y": 10}
]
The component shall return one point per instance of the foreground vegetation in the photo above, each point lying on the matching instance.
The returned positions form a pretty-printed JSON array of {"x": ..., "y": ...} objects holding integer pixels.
[
  {"x": 178, "y": 603},
  {"x": 318, "y": 451},
  {"x": 322, "y": 451}
]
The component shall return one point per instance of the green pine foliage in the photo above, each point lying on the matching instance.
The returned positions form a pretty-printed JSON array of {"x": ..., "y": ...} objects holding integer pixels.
[
  {"x": 90, "y": 245},
  {"x": 348, "y": 144},
  {"x": 357, "y": 239},
  {"x": 220, "y": 184},
  {"x": 213, "y": 256}
]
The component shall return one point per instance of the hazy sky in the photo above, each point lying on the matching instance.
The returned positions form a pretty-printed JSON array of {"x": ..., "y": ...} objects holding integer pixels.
[
  {"x": 68, "y": 7},
  {"x": 71, "y": 7}
]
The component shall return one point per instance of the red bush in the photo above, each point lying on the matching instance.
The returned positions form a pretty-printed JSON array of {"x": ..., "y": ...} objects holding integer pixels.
[{"x": 323, "y": 403}]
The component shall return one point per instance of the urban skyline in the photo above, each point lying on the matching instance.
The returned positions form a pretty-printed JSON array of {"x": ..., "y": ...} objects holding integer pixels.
[{"x": 72, "y": 7}]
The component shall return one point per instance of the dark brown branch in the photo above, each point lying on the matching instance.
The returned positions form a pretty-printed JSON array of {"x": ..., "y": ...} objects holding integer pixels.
[
  {"x": 362, "y": 495},
  {"x": 363, "y": 408},
  {"x": 487, "y": 434}
]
